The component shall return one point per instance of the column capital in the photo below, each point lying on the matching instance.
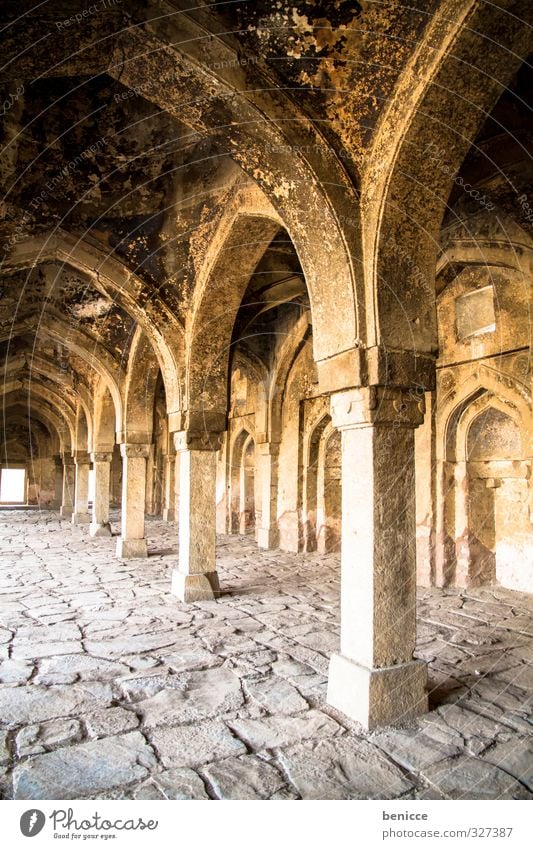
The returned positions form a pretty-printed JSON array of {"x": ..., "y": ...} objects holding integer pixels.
[
  {"x": 268, "y": 448},
  {"x": 68, "y": 459},
  {"x": 102, "y": 456},
  {"x": 134, "y": 450},
  {"x": 186, "y": 440},
  {"x": 391, "y": 406},
  {"x": 82, "y": 458}
]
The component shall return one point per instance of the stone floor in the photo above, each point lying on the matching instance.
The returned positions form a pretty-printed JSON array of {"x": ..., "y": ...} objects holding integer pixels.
[{"x": 111, "y": 688}]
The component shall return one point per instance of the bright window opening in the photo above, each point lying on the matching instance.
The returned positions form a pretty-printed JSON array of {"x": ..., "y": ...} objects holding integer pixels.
[{"x": 13, "y": 486}]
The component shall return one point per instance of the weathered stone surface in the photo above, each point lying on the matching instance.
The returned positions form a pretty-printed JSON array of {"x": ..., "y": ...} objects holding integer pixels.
[
  {"x": 4, "y": 750},
  {"x": 146, "y": 686},
  {"x": 15, "y": 671},
  {"x": 85, "y": 769},
  {"x": 277, "y": 731},
  {"x": 22, "y": 705},
  {"x": 112, "y": 720},
  {"x": 247, "y": 777},
  {"x": 514, "y": 757},
  {"x": 180, "y": 784},
  {"x": 34, "y": 650},
  {"x": 413, "y": 750},
  {"x": 202, "y": 695},
  {"x": 191, "y": 658},
  {"x": 342, "y": 768},
  {"x": 470, "y": 778},
  {"x": 54, "y": 669},
  {"x": 276, "y": 695},
  {"x": 119, "y": 646},
  {"x": 34, "y": 739},
  {"x": 194, "y": 745}
]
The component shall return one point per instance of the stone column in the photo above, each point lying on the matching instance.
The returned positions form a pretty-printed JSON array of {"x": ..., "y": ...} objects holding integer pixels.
[
  {"x": 80, "y": 515},
  {"x": 196, "y": 577},
  {"x": 462, "y": 525},
  {"x": 58, "y": 481},
  {"x": 169, "y": 513},
  {"x": 100, "y": 526},
  {"x": 267, "y": 467},
  {"x": 69, "y": 482},
  {"x": 374, "y": 679},
  {"x": 132, "y": 542}
]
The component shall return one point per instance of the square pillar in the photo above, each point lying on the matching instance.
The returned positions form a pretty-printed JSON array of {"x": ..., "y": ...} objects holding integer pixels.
[
  {"x": 132, "y": 541},
  {"x": 196, "y": 578},
  {"x": 374, "y": 679},
  {"x": 100, "y": 526},
  {"x": 80, "y": 515},
  {"x": 267, "y": 470},
  {"x": 169, "y": 513},
  {"x": 69, "y": 484},
  {"x": 58, "y": 481}
]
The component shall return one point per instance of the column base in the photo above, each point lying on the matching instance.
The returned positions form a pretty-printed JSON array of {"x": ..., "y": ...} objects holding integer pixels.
[
  {"x": 377, "y": 697},
  {"x": 267, "y": 537},
  {"x": 189, "y": 588},
  {"x": 98, "y": 529},
  {"x": 169, "y": 515},
  {"x": 80, "y": 518},
  {"x": 130, "y": 549}
]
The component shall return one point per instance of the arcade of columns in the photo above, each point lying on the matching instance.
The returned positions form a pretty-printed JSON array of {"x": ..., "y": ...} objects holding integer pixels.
[{"x": 302, "y": 316}]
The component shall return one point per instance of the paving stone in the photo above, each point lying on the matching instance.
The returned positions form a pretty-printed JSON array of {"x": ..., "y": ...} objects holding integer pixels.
[
  {"x": 342, "y": 768},
  {"x": 15, "y": 671},
  {"x": 275, "y": 731},
  {"x": 4, "y": 749},
  {"x": 202, "y": 695},
  {"x": 191, "y": 658},
  {"x": 276, "y": 695},
  {"x": 119, "y": 646},
  {"x": 112, "y": 720},
  {"x": 246, "y": 777},
  {"x": 84, "y": 769},
  {"x": 413, "y": 750},
  {"x": 35, "y": 650},
  {"x": 180, "y": 784},
  {"x": 144, "y": 687},
  {"x": 194, "y": 745},
  {"x": 53, "y": 670},
  {"x": 515, "y": 757},
  {"x": 34, "y": 739},
  {"x": 470, "y": 778},
  {"x": 23, "y": 705}
]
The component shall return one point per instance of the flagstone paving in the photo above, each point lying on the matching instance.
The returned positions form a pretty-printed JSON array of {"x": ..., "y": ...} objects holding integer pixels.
[{"x": 112, "y": 688}]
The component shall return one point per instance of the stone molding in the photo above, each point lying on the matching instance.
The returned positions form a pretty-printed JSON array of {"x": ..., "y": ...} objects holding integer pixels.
[
  {"x": 67, "y": 459},
  {"x": 101, "y": 456},
  {"x": 378, "y": 405},
  {"x": 134, "y": 451},
  {"x": 82, "y": 458},
  {"x": 186, "y": 440}
]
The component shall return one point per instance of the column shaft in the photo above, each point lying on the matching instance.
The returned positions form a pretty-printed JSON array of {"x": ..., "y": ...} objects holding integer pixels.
[
  {"x": 80, "y": 516},
  {"x": 196, "y": 577},
  {"x": 132, "y": 542},
  {"x": 267, "y": 462},
  {"x": 169, "y": 513},
  {"x": 100, "y": 526},
  {"x": 69, "y": 483},
  {"x": 375, "y": 679}
]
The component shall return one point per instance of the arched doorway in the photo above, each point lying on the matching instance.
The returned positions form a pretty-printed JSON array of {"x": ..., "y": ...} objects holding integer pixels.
[
  {"x": 322, "y": 510},
  {"x": 242, "y": 486}
]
